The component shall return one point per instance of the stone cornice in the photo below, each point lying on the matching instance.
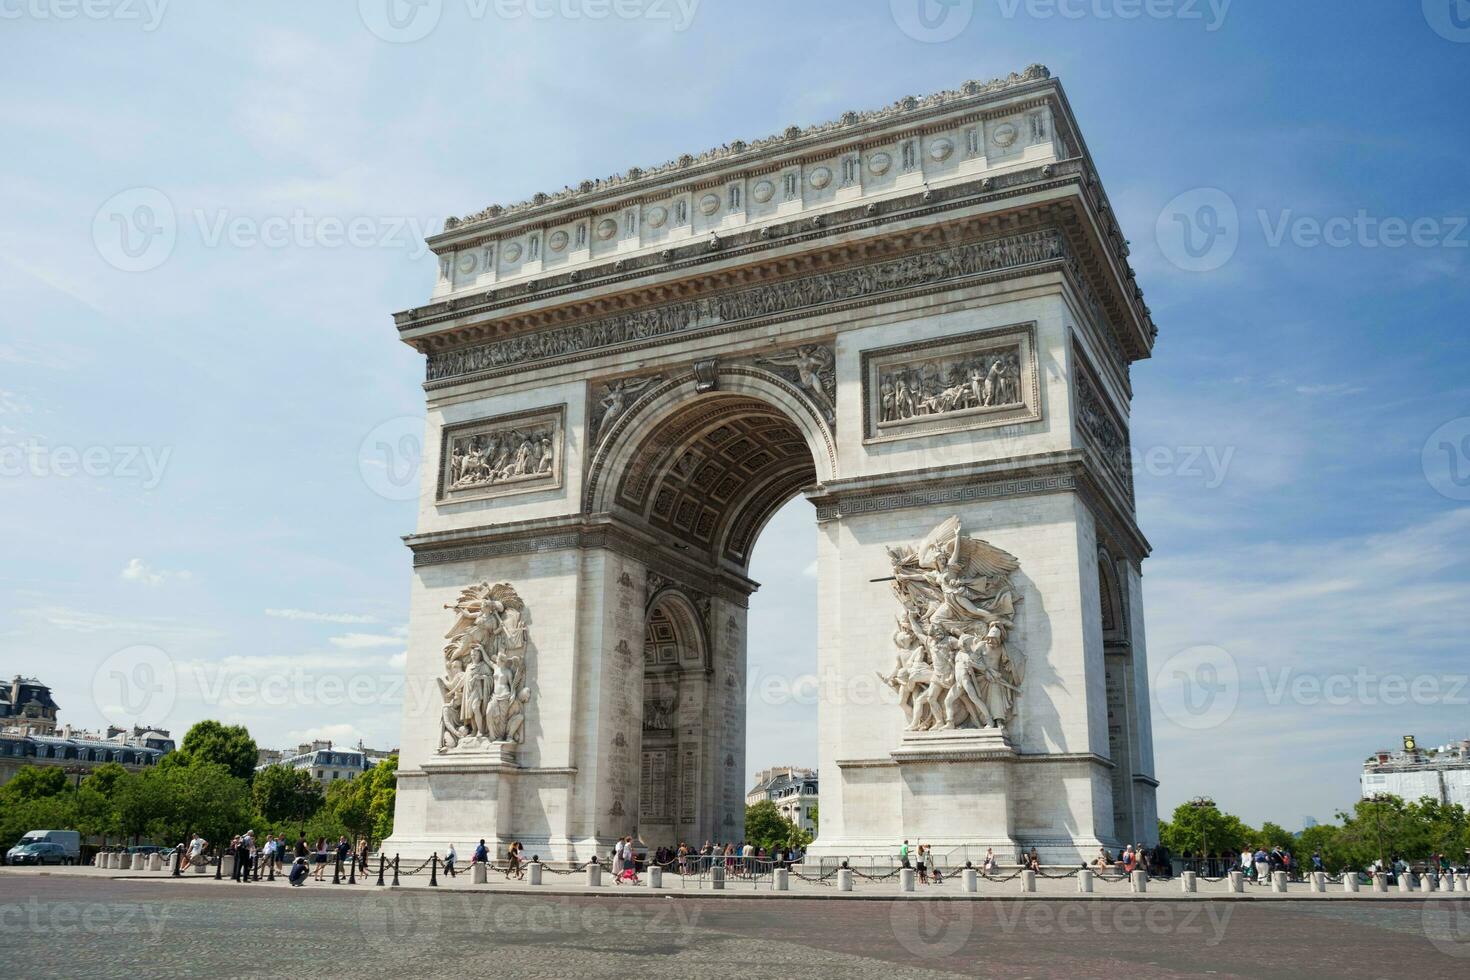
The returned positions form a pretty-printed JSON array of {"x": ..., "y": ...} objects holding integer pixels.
[
  {"x": 576, "y": 532},
  {"x": 646, "y": 279},
  {"x": 589, "y": 195}
]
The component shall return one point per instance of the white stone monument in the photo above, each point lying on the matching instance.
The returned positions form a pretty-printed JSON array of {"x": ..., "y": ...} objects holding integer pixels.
[{"x": 920, "y": 318}]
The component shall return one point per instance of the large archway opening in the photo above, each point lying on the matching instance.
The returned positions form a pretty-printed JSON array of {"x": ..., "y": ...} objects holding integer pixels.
[{"x": 705, "y": 473}]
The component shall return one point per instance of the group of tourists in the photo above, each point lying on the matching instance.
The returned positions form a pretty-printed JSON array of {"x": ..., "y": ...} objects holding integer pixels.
[
  {"x": 256, "y": 857},
  {"x": 1133, "y": 857}
]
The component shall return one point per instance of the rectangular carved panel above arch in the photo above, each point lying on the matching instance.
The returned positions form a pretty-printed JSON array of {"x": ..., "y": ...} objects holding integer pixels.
[
  {"x": 508, "y": 454},
  {"x": 969, "y": 381}
]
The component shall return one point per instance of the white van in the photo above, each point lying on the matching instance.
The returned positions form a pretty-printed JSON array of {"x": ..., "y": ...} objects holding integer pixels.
[{"x": 70, "y": 841}]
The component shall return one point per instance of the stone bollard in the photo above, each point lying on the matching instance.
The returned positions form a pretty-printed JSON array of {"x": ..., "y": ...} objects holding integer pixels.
[
  {"x": 155, "y": 861},
  {"x": 1278, "y": 882},
  {"x": 1458, "y": 882},
  {"x": 1189, "y": 881},
  {"x": 1084, "y": 881},
  {"x": 655, "y": 876},
  {"x": 1317, "y": 883},
  {"x": 1138, "y": 882},
  {"x": 1350, "y": 882},
  {"x": 1406, "y": 882},
  {"x": 970, "y": 878},
  {"x": 1237, "y": 882},
  {"x": 1028, "y": 881},
  {"x": 112, "y": 861},
  {"x": 783, "y": 880},
  {"x": 200, "y": 866},
  {"x": 227, "y": 866},
  {"x": 535, "y": 877},
  {"x": 1426, "y": 882},
  {"x": 124, "y": 861},
  {"x": 905, "y": 879},
  {"x": 844, "y": 879},
  {"x": 480, "y": 873},
  {"x": 717, "y": 877},
  {"x": 594, "y": 875},
  {"x": 1380, "y": 882}
]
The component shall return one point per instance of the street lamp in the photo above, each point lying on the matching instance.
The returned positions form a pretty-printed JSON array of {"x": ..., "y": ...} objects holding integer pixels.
[
  {"x": 1378, "y": 799},
  {"x": 1203, "y": 804}
]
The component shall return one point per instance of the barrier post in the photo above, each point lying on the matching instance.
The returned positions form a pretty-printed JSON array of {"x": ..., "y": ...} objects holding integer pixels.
[
  {"x": 395, "y": 871},
  {"x": 434, "y": 870}
]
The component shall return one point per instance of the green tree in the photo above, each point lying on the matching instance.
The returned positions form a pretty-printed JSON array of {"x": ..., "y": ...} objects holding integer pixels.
[
  {"x": 283, "y": 795},
  {"x": 1194, "y": 829},
  {"x": 766, "y": 827},
  {"x": 384, "y": 783},
  {"x": 226, "y": 745},
  {"x": 1275, "y": 835},
  {"x": 34, "y": 783}
]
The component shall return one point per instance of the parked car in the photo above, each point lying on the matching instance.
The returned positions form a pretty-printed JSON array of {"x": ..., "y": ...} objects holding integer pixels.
[
  {"x": 70, "y": 842},
  {"x": 40, "y": 852}
]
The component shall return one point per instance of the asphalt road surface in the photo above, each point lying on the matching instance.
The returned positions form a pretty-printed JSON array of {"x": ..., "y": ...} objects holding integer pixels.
[{"x": 83, "y": 928}]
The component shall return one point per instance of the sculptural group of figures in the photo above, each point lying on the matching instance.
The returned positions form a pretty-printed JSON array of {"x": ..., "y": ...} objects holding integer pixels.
[
  {"x": 951, "y": 385},
  {"x": 953, "y": 669},
  {"x": 496, "y": 457},
  {"x": 484, "y": 682}
]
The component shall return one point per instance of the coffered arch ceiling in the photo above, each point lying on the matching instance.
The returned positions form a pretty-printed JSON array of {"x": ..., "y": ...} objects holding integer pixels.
[{"x": 714, "y": 471}]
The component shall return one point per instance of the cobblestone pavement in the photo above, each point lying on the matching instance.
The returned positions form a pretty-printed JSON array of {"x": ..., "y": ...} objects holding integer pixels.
[{"x": 97, "y": 926}]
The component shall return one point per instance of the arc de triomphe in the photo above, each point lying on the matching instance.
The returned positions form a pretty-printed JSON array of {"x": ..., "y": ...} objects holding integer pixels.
[{"x": 922, "y": 319}]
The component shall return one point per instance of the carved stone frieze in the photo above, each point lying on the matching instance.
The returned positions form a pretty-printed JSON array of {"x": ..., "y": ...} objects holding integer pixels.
[
  {"x": 752, "y": 303},
  {"x": 1101, "y": 428},
  {"x": 508, "y": 454},
  {"x": 979, "y": 379}
]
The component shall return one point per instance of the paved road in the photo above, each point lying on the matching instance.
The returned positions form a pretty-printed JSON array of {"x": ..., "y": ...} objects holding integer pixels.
[{"x": 90, "y": 927}]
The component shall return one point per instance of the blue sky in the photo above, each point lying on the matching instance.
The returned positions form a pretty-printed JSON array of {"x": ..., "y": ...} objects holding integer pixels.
[{"x": 189, "y": 435}]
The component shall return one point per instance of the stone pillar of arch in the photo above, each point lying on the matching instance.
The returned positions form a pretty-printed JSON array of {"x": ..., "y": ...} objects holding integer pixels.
[{"x": 917, "y": 318}]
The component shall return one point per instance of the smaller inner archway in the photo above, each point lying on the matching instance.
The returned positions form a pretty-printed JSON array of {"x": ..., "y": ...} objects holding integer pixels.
[{"x": 677, "y": 754}]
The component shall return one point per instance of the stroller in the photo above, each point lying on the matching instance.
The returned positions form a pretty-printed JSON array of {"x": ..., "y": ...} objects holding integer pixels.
[{"x": 298, "y": 873}]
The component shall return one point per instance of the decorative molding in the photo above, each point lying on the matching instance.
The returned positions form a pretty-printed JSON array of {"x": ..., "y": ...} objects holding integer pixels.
[
  {"x": 877, "y": 503},
  {"x": 636, "y": 177},
  {"x": 975, "y": 380},
  {"x": 523, "y": 452},
  {"x": 751, "y": 305}
]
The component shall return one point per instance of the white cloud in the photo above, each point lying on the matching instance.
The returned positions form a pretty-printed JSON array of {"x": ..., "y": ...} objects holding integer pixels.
[
  {"x": 361, "y": 641},
  {"x": 338, "y": 734},
  {"x": 303, "y": 615},
  {"x": 137, "y": 570}
]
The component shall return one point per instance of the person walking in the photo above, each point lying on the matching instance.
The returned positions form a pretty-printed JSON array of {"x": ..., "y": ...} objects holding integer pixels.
[
  {"x": 449, "y": 858},
  {"x": 903, "y": 855},
  {"x": 319, "y": 857}
]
